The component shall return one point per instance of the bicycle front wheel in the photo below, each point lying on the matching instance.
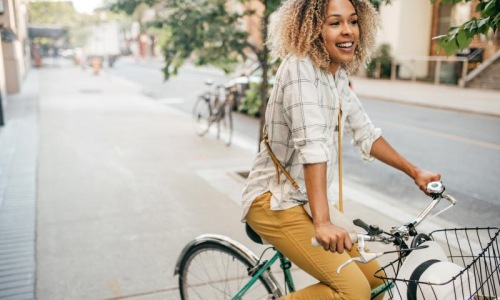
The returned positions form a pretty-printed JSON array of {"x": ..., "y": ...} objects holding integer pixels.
[
  {"x": 202, "y": 115},
  {"x": 225, "y": 125},
  {"x": 214, "y": 271}
]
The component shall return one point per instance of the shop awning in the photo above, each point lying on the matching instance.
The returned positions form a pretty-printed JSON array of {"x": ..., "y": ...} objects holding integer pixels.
[{"x": 46, "y": 31}]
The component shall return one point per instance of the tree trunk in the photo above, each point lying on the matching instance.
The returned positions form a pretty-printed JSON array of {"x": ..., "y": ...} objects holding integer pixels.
[{"x": 264, "y": 63}]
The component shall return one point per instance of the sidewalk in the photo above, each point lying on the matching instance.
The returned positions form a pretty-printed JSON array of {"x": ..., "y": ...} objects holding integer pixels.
[
  {"x": 480, "y": 101},
  {"x": 449, "y": 97},
  {"x": 120, "y": 183}
]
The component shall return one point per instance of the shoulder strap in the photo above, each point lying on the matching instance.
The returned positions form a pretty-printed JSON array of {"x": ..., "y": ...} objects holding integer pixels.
[
  {"x": 341, "y": 200},
  {"x": 277, "y": 164}
]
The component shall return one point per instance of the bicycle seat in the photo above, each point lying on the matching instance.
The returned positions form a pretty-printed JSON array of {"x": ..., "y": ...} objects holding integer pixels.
[{"x": 253, "y": 235}]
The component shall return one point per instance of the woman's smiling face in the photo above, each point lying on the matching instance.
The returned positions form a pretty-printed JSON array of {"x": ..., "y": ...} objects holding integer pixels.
[{"x": 340, "y": 32}]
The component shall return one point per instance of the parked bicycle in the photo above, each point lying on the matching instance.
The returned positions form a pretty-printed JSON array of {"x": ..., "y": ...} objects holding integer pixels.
[
  {"x": 217, "y": 267},
  {"x": 215, "y": 107}
]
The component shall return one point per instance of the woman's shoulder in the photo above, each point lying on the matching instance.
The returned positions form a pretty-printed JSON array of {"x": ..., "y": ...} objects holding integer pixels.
[
  {"x": 301, "y": 61},
  {"x": 296, "y": 66}
]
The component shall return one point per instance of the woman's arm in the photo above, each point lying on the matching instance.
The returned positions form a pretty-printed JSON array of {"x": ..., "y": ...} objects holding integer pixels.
[
  {"x": 333, "y": 238},
  {"x": 384, "y": 152}
]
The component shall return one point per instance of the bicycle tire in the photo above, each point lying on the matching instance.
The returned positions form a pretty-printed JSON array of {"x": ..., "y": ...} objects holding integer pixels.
[
  {"x": 225, "y": 125},
  {"x": 202, "y": 114},
  {"x": 204, "y": 262}
]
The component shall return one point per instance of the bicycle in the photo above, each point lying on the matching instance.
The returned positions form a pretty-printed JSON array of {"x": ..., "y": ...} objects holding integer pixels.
[
  {"x": 215, "y": 106},
  {"x": 217, "y": 267}
]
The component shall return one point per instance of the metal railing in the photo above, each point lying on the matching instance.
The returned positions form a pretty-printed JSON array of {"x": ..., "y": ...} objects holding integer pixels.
[{"x": 427, "y": 68}]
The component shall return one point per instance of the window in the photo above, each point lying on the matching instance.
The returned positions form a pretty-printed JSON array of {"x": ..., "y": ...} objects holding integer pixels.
[{"x": 453, "y": 15}]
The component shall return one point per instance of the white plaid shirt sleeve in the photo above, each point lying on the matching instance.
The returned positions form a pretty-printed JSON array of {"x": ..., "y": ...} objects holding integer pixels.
[{"x": 304, "y": 113}]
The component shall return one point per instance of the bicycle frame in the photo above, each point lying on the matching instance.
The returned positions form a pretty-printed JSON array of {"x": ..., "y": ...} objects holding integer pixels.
[{"x": 285, "y": 266}]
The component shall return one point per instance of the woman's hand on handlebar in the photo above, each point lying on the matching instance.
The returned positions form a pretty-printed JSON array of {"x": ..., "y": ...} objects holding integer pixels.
[
  {"x": 424, "y": 177},
  {"x": 333, "y": 238}
]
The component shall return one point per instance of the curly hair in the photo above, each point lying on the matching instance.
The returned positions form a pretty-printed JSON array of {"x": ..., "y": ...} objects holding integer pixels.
[{"x": 297, "y": 27}]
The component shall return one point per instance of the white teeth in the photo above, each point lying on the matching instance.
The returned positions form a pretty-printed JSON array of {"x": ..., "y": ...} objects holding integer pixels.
[{"x": 345, "y": 45}]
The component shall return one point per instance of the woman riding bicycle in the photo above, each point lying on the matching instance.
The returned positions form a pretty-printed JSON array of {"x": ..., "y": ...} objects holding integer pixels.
[{"x": 320, "y": 42}]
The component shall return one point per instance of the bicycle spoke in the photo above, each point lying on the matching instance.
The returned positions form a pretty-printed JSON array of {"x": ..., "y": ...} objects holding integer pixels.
[
  {"x": 202, "y": 116},
  {"x": 215, "y": 274}
]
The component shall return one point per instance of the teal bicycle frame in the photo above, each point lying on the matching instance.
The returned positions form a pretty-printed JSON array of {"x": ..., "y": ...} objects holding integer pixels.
[{"x": 285, "y": 265}]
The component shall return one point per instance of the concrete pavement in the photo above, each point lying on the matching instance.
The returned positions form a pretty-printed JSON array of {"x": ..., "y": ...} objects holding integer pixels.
[
  {"x": 449, "y": 97},
  {"x": 121, "y": 183}
]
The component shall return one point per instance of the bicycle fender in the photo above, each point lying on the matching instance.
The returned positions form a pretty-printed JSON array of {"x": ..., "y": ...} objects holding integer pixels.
[{"x": 218, "y": 239}]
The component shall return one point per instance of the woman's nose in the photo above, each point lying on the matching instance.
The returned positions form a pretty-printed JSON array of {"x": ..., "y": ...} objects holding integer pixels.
[{"x": 346, "y": 29}]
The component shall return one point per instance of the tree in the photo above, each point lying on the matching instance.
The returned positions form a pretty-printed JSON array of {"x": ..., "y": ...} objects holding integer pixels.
[
  {"x": 54, "y": 13},
  {"x": 129, "y": 6},
  {"x": 460, "y": 37},
  {"x": 43, "y": 12}
]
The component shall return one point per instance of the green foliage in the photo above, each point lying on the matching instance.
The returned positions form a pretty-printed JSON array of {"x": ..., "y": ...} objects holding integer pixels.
[
  {"x": 129, "y": 6},
  {"x": 384, "y": 57},
  {"x": 460, "y": 37},
  {"x": 205, "y": 32},
  {"x": 62, "y": 14},
  {"x": 378, "y": 3},
  {"x": 251, "y": 103},
  {"x": 51, "y": 13}
]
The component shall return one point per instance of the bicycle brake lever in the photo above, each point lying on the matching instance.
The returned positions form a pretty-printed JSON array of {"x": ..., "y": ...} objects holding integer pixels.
[
  {"x": 350, "y": 260},
  {"x": 364, "y": 258}
]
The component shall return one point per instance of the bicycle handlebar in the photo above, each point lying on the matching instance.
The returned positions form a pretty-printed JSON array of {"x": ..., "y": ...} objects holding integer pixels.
[
  {"x": 436, "y": 191},
  {"x": 374, "y": 234}
]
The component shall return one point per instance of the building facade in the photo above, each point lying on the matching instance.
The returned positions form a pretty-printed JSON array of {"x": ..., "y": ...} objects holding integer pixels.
[
  {"x": 408, "y": 27},
  {"x": 14, "y": 55}
]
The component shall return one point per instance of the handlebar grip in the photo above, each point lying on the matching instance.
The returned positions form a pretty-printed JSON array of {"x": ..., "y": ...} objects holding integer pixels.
[
  {"x": 352, "y": 235},
  {"x": 362, "y": 224}
]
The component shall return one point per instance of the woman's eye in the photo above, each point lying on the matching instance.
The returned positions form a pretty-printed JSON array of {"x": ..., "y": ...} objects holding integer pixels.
[
  {"x": 334, "y": 23},
  {"x": 354, "y": 22}
]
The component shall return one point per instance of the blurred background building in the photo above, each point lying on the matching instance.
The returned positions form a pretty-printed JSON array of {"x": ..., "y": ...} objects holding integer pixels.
[{"x": 408, "y": 28}]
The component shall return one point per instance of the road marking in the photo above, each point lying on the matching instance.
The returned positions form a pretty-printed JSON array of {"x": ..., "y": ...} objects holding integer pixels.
[{"x": 444, "y": 135}]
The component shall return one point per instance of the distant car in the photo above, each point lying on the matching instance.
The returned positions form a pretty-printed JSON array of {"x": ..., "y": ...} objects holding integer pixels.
[{"x": 67, "y": 53}]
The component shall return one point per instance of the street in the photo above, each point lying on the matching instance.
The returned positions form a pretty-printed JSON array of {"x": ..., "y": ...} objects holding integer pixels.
[{"x": 464, "y": 148}]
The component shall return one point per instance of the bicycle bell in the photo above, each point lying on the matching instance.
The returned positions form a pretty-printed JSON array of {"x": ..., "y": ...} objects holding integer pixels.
[{"x": 435, "y": 188}]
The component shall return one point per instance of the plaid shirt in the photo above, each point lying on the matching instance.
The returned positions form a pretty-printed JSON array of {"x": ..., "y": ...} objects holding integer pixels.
[{"x": 301, "y": 119}]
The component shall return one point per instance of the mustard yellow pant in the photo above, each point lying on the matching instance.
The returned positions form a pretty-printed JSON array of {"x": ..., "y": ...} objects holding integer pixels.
[{"x": 290, "y": 231}]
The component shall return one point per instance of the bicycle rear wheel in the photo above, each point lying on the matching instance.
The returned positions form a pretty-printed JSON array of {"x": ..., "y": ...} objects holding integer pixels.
[
  {"x": 225, "y": 125},
  {"x": 213, "y": 271},
  {"x": 202, "y": 115}
]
